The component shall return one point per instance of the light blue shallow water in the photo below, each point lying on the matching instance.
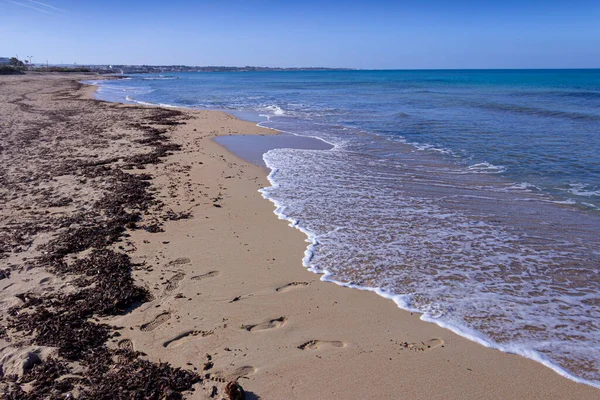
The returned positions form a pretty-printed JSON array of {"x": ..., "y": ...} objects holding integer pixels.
[{"x": 472, "y": 197}]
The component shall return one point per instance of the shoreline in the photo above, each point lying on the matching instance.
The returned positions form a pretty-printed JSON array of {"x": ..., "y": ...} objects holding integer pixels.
[
  {"x": 474, "y": 336},
  {"x": 396, "y": 299},
  {"x": 243, "y": 297}
]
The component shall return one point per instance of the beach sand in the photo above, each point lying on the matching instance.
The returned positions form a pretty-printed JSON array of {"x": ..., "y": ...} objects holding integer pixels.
[{"x": 230, "y": 299}]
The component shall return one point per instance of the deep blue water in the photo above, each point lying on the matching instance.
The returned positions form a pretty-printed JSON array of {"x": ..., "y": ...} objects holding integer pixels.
[
  {"x": 472, "y": 197},
  {"x": 539, "y": 127}
]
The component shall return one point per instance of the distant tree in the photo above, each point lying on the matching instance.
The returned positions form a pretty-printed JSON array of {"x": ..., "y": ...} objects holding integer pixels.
[{"x": 15, "y": 62}]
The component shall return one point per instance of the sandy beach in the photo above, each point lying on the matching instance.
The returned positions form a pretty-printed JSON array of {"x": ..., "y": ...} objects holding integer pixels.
[{"x": 209, "y": 280}]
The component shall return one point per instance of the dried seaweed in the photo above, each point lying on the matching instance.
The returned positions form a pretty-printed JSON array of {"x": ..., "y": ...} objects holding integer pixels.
[
  {"x": 234, "y": 391},
  {"x": 106, "y": 286},
  {"x": 114, "y": 290},
  {"x": 135, "y": 378},
  {"x": 46, "y": 382},
  {"x": 171, "y": 215}
]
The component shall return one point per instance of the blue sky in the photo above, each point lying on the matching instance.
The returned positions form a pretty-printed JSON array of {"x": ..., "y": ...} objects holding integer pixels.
[{"x": 357, "y": 34}]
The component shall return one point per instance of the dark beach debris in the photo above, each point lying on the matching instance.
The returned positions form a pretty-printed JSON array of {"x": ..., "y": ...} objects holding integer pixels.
[
  {"x": 62, "y": 202},
  {"x": 157, "y": 138},
  {"x": 69, "y": 331},
  {"x": 171, "y": 215},
  {"x": 114, "y": 290},
  {"x": 153, "y": 228},
  {"x": 105, "y": 225},
  {"x": 132, "y": 378},
  {"x": 234, "y": 391},
  {"x": 106, "y": 287},
  {"x": 136, "y": 379},
  {"x": 29, "y": 300},
  {"x": 167, "y": 117},
  {"x": 17, "y": 237},
  {"x": 45, "y": 380}
]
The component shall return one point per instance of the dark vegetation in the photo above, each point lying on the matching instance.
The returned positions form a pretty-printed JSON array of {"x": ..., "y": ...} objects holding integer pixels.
[
  {"x": 69, "y": 322},
  {"x": 15, "y": 66},
  {"x": 10, "y": 70},
  {"x": 62, "y": 69}
]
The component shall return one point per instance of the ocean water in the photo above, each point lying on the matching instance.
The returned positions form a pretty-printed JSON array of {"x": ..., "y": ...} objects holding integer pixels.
[{"x": 472, "y": 197}]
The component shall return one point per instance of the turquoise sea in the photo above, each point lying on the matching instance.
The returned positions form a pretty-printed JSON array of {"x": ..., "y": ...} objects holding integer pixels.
[{"x": 472, "y": 197}]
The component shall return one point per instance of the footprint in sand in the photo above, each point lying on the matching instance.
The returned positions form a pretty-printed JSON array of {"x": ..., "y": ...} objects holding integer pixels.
[
  {"x": 125, "y": 344},
  {"x": 208, "y": 275},
  {"x": 319, "y": 344},
  {"x": 233, "y": 375},
  {"x": 180, "y": 261},
  {"x": 271, "y": 324},
  {"x": 422, "y": 346},
  {"x": 290, "y": 286},
  {"x": 156, "y": 322},
  {"x": 185, "y": 337},
  {"x": 173, "y": 283}
]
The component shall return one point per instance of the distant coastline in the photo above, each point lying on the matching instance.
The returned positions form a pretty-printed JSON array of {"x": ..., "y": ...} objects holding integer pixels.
[{"x": 156, "y": 69}]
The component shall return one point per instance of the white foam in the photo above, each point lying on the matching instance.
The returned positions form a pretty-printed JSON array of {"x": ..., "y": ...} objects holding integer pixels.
[
  {"x": 464, "y": 232},
  {"x": 486, "y": 168},
  {"x": 275, "y": 110},
  {"x": 160, "y": 78},
  {"x": 567, "y": 202},
  {"x": 430, "y": 147},
  {"x": 403, "y": 301},
  {"x": 526, "y": 186},
  {"x": 582, "y": 189},
  {"x": 143, "y": 103}
]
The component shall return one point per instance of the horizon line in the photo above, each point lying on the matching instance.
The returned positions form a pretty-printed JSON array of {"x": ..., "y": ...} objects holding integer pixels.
[{"x": 324, "y": 68}]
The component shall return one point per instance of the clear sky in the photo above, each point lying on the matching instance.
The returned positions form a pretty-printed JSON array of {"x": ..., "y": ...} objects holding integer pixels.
[{"x": 331, "y": 33}]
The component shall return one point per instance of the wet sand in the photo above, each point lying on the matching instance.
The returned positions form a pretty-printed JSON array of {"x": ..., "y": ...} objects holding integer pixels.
[
  {"x": 224, "y": 294},
  {"x": 251, "y": 148}
]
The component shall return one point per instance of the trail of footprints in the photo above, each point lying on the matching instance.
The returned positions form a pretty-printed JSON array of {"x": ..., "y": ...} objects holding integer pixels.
[
  {"x": 318, "y": 344},
  {"x": 185, "y": 337},
  {"x": 270, "y": 324},
  {"x": 243, "y": 371},
  {"x": 180, "y": 261},
  {"x": 208, "y": 275},
  {"x": 124, "y": 344},
  {"x": 156, "y": 322},
  {"x": 236, "y": 374},
  {"x": 422, "y": 346},
  {"x": 173, "y": 283}
]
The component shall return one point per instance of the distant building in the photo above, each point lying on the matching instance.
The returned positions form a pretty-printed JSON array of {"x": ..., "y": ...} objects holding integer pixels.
[{"x": 4, "y": 60}]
